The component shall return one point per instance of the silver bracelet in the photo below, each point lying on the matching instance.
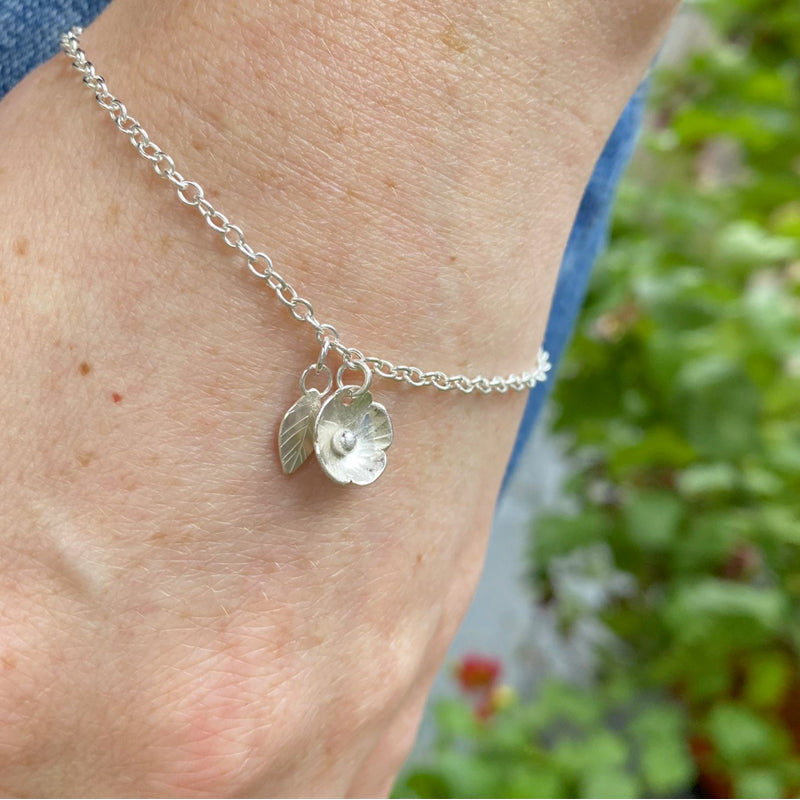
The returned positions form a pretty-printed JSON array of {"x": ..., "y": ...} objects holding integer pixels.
[{"x": 346, "y": 429}]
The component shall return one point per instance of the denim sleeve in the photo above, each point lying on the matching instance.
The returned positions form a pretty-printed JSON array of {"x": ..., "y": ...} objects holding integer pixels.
[
  {"x": 29, "y": 31},
  {"x": 586, "y": 240}
]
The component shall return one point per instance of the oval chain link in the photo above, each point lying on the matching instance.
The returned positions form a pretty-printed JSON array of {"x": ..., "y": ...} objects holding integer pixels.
[{"x": 260, "y": 264}]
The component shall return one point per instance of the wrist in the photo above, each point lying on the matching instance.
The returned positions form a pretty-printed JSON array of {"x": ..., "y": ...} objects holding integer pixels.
[{"x": 233, "y": 624}]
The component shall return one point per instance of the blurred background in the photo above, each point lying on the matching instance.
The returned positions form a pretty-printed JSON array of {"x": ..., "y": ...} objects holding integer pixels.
[{"x": 637, "y": 630}]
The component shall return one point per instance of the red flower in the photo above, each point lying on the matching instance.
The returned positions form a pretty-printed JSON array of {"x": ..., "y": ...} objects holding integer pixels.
[{"x": 476, "y": 673}]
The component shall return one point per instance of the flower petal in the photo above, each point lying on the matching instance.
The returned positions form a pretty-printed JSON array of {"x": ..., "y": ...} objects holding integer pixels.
[
  {"x": 331, "y": 463},
  {"x": 366, "y": 468},
  {"x": 369, "y": 430},
  {"x": 377, "y": 426}
]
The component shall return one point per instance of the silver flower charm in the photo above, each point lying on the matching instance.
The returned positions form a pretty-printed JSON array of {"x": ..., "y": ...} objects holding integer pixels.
[{"x": 350, "y": 439}]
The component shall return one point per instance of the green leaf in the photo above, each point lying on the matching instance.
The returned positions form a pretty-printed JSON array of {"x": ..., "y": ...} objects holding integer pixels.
[
  {"x": 606, "y": 749},
  {"x": 779, "y": 522},
  {"x": 718, "y": 407},
  {"x": 709, "y": 541},
  {"x": 699, "y": 479},
  {"x": 455, "y": 718},
  {"x": 667, "y": 766},
  {"x": 554, "y": 535},
  {"x": 534, "y": 780},
  {"x": 744, "y": 242},
  {"x": 467, "y": 776},
  {"x": 422, "y": 783},
  {"x": 559, "y": 701},
  {"x": 655, "y": 723},
  {"x": 768, "y": 677},
  {"x": 609, "y": 782},
  {"x": 711, "y": 608},
  {"x": 761, "y": 481},
  {"x": 760, "y": 783},
  {"x": 656, "y": 447},
  {"x": 743, "y": 737},
  {"x": 652, "y": 518}
]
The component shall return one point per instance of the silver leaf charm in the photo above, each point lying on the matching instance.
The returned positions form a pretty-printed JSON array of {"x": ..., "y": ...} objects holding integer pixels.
[
  {"x": 350, "y": 438},
  {"x": 296, "y": 435}
]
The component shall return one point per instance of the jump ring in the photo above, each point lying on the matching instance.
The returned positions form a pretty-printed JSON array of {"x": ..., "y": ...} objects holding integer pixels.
[
  {"x": 313, "y": 368},
  {"x": 357, "y": 390},
  {"x": 323, "y": 353}
]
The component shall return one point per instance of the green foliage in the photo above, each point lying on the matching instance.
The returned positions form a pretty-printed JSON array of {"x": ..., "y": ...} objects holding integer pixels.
[
  {"x": 564, "y": 744},
  {"x": 681, "y": 393}
]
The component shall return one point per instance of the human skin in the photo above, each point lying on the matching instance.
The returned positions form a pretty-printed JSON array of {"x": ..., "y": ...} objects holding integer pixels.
[{"x": 177, "y": 617}]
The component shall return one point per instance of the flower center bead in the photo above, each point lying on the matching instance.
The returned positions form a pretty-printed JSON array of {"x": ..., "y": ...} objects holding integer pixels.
[{"x": 343, "y": 441}]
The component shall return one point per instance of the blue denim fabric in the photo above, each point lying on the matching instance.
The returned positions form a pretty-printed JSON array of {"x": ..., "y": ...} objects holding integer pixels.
[
  {"x": 586, "y": 240},
  {"x": 29, "y": 32}
]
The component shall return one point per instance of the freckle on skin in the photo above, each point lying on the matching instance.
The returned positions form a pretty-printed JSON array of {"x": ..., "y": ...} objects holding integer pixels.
[
  {"x": 9, "y": 662},
  {"x": 84, "y": 368},
  {"x": 116, "y": 397},
  {"x": 419, "y": 558},
  {"x": 85, "y": 457},
  {"x": 113, "y": 213},
  {"x": 451, "y": 39},
  {"x": 20, "y": 246}
]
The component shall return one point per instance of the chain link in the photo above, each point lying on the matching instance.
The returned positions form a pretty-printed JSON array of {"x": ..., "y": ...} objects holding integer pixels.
[{"x": 260, "y": 264}]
